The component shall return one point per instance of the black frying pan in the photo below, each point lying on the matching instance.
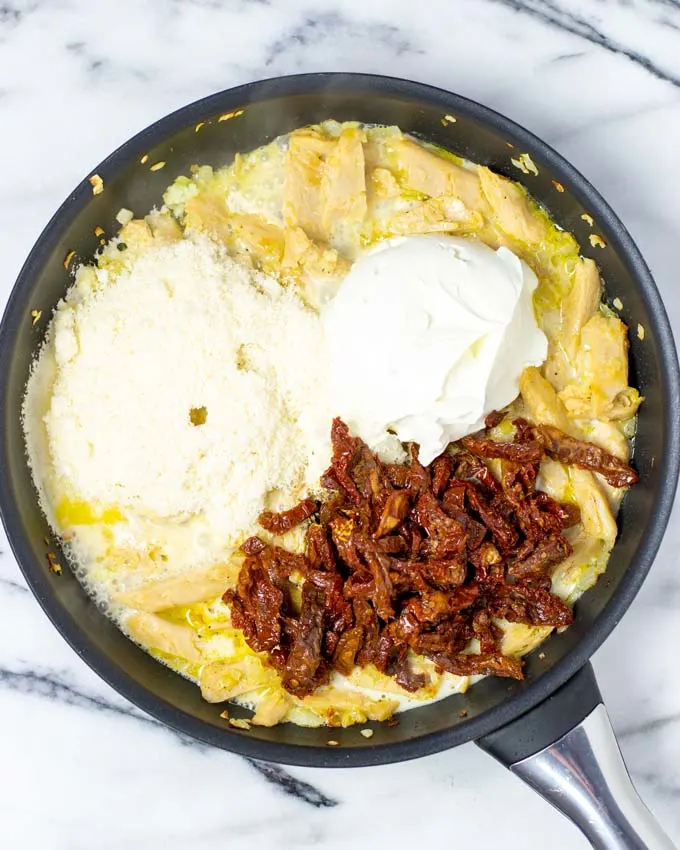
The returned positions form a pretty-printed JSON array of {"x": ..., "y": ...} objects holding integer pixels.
[{"x": 550, "y": 728}]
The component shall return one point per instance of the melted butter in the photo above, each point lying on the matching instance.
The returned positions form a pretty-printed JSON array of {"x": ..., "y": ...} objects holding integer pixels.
[{"x": 70, "y": 512}]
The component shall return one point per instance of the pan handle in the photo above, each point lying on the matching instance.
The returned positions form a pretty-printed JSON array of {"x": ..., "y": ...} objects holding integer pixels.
[{"x": 566, "y": 750}]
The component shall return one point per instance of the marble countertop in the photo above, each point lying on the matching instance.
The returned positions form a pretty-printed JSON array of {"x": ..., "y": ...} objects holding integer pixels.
[{"x": 599, "y": 80}]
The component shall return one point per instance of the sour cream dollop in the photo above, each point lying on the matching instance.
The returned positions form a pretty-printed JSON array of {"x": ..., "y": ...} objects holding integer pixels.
[{"x": 428, "y": 334}]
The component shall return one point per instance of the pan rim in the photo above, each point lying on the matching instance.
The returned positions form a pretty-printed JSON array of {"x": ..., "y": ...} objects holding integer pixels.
[{"x": 536, "y": 691}]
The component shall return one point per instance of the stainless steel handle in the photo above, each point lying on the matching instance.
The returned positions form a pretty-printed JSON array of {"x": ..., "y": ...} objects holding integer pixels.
[{"x": 584, "y": 776}]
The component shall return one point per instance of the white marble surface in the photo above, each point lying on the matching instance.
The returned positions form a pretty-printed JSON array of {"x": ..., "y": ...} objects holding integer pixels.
[{"x": 600, "y": 80}]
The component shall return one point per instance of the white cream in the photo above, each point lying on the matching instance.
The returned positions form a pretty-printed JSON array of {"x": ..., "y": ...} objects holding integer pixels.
[{"x": 427, "y": 335}]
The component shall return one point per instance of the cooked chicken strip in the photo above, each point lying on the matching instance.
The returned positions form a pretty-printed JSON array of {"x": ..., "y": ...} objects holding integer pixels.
[
  {"x": 435, "y": 176},
  {"x": 542, "y": 402},
  {"x": 343, "y": 183},
  {"x": 436, "y": 215},
  {"x": 511, "y": 209},
  {"x": 156, "y": 633},
  {"x": 596, "y": 515},
  {"x": 185, "y": 589},
  {"x": 302, "y": 201},
  {"x": 318, "y": 270},
  {"x": 578, "y": 306},
  {"x": 601, "y": 367},
  {"x": 223, "y": 680},
  {"x": 272, "y": 708}
]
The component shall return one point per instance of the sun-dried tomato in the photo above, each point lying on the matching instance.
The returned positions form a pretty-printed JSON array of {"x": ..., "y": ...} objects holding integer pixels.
[
  {"x": 467, "y": 467},
  {"x": 346, "y": 652},
  {"x": 400, "y": 669},
  {"x": 568, "y": 513},
  {"x": 528, "y": 452},
  {"x": 318, "y": 547},
  {"x": 494, "y": 418},
  {"x": 493, "y": 664},
  {"x": 304, "y": 668},
  {"x": 417, "y": 476},
  {"x": 445, "y": 535},
  {"x": 454, "y": 496},
  {"x": 396, "y": 507},
  {"x": 379, "y": 566},
  {"x": 344, "y": 450},
  {"x": 486, "y": 631},
  {"x": 443, "y": 573},
  {"x": 442, "y": 469},
  {"x": 546, "y": 555},
  {"x": 533, "y": 605},
  {"x": 503, "y": 532},
  {"x": 282, "y": 521},
  {"x": 449, "y": 637},
  {"x": 253, "y": 546},
  {"x": 586, "y": 456},
  {"x": 407, "y": 558},
  {"x": 258, "y": 608}
]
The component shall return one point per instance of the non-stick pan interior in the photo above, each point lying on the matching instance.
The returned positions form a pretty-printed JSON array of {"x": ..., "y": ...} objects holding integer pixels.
[{"x": 270, "y": 109}]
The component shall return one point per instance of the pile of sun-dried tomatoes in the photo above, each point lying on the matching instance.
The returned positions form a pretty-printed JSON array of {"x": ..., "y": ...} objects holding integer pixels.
[{"x": 407, "y": 557}]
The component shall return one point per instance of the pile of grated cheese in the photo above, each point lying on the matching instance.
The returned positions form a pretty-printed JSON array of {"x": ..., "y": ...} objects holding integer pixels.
[{"x": 190, "y": 385}]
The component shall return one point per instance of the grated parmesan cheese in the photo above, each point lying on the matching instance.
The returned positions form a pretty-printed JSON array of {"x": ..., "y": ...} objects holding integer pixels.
[{"x": 189, "y": 386}]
